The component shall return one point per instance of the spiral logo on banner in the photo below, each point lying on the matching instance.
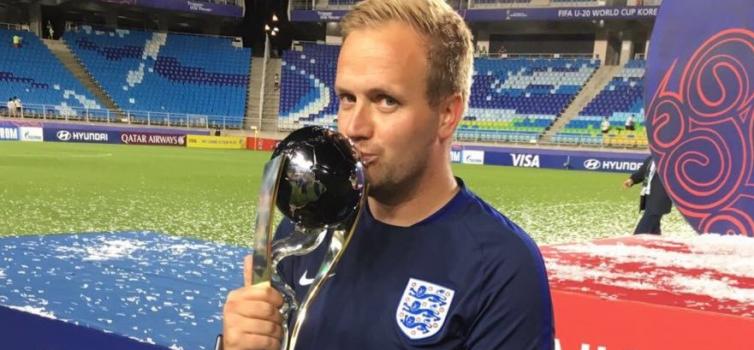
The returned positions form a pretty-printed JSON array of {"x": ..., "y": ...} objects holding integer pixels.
[{"x": 700, "y": 111}]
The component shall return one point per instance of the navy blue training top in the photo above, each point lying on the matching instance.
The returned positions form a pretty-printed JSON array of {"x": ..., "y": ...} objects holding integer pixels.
[{"x": 464, "y": 278}]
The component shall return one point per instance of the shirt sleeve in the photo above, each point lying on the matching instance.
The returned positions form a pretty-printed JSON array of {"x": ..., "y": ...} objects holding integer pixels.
[
  {"x": 638, "y": 175},
  {"x": 515, "y": 307}
]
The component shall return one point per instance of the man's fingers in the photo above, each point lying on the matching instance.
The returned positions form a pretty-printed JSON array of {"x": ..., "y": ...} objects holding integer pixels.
[
  {"x": 261, "y": 292},
  {"x": 256, "y": 326},
  {"x": 258, "y": 310},
  {"x": 250, "y": 341},
  {"x": 248, "y": 267}
]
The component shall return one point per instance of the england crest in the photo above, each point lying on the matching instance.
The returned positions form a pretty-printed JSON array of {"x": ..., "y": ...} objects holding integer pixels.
[{"x": 423, "y": 308}]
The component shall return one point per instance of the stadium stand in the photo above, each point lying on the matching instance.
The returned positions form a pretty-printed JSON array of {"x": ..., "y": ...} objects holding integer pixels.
[
  {"x": 33, "y": 74},
  {"x": 307, "y": 78},
  {"x": 511, "y": 99},
  {"x": 207, "y": 76},
  {"x": 517, "y": 99},
  {"x": 621, "y": 98}
]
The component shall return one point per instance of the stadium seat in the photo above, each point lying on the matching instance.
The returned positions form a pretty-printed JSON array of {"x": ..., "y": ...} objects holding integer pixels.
[
  {"x": 522, "y": 97},
  {"x": 621, "y": 98},
  {"x": 206, "y": 76},
  {"x": 39, "y": 79},
  {"x": 307, "y": 79},
  {"x": 512, "y": 100}
]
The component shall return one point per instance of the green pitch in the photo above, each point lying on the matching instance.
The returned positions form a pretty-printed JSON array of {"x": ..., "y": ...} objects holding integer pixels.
[{"x": 210, "y": 194}]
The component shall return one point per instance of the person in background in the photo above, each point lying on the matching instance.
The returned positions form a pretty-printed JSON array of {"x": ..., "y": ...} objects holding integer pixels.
[
  {"x": 11, "y": 105},
  {"x": 17, "y": 40},
  {"x": 654, "y": 200},
  {"x": 605, "y": 125},
  {"x": 19, "y": 106},
  {"x": 50, "y": 30},
  {"x": 630, "y": 123}
]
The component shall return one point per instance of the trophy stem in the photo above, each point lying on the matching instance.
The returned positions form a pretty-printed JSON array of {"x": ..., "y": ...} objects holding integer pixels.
[
  {"x": 316, "y": 180},
  {"x": 338, "y": 243},
  {"x": 301, "y": 242}
]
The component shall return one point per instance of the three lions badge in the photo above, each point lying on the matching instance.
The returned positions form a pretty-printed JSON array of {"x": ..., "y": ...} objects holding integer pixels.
[{"x": 423, "y": 308}]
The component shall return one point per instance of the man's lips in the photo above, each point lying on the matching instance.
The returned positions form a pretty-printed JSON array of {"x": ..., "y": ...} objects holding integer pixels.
[{"x": 368, "y": 158}]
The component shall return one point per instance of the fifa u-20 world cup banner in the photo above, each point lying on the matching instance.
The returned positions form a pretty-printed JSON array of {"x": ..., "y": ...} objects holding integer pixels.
[
  {"x": 519, "y": 14},
  {"x": 143, "y": 138}
]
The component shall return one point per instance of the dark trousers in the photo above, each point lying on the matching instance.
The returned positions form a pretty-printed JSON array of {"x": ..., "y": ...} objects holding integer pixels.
[{"x": 649, "y": 223}]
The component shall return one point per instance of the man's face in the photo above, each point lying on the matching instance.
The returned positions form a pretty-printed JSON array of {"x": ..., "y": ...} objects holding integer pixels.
[{"x": 381, "y": 85}]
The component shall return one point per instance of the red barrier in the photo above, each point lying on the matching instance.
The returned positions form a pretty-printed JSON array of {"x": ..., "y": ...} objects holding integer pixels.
[
  {"x": 261, "y": 144},
  {"x": 646, "y": 293},
  {"x": 585, "y": 322}
]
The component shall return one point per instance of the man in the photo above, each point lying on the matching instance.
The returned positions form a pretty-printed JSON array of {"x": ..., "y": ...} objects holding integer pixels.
[
  {"x": 630, "y": 123},
  {"x": 431, "y": 265},
  {"x": 605, "y": 125},
  {"x": 19, "y": 106},
  {"x": 11, "y": 105},
  {"x": 17, "y": 41},
  {"x": 50, "y": 30},
  {"x": 654, "y": 200}
]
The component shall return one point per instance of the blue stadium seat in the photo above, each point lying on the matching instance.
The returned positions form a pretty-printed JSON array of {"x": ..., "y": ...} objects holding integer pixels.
[
  {"x": 622, "y": 97},
  {"x": 512, "y": 100},
  {"x": 37, "y": 77},
  {"x": 163, "y": 73},
  {"x": 523, "y": 96},
  {"x": 307, "y": 78}
]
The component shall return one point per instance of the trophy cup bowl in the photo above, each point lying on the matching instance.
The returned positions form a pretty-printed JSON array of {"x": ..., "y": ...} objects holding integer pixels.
[
  {"x": 322, "y": 181},
  {"x": 316, "y": 180}
]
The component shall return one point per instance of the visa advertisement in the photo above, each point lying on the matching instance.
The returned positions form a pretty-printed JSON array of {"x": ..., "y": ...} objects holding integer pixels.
[{"x": 623, "y": 162}]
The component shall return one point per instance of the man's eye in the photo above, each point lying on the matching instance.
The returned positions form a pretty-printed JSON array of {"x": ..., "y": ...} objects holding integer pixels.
[
  {"x": 389, "y": 101},
  {"x": 347, "y": 99}
]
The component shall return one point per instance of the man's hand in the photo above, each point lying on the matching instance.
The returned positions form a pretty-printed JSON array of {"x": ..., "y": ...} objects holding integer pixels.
[
  {"x": 251, "y": 316},
  {"x": 628, "y": 183}
]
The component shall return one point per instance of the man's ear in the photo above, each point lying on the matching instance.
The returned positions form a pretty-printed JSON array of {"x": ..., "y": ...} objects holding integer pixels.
[{"x": 451, "y": 113}]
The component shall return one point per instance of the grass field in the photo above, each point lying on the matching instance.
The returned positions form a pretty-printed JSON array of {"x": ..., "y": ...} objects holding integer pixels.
[{"x": 210, "y": 194}]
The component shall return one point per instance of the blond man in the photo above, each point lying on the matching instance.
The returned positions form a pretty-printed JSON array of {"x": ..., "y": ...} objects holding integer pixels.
[{"x": 432, "y": 266}]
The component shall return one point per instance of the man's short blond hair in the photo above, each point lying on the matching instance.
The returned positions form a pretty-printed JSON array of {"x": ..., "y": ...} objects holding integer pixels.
[{"x": 449, "y": 45}]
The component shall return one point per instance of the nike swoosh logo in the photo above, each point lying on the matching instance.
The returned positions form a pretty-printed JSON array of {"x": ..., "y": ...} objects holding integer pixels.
[{"x": 305, "y": 281}]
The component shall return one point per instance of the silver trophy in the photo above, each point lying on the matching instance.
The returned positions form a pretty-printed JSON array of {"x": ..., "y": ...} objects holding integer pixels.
[{"x": 315, "y": 179}]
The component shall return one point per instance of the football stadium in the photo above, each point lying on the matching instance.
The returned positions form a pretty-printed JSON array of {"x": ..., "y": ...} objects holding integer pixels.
[{"x": 138, "y": 148}]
